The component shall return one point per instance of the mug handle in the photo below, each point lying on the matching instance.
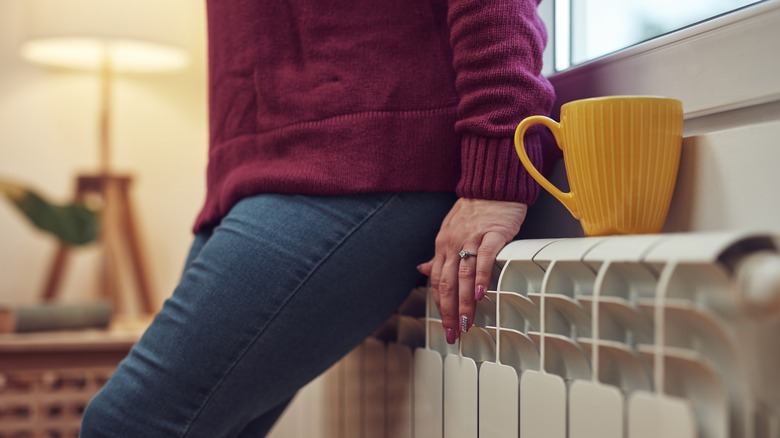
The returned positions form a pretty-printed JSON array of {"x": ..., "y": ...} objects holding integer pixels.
[{"x": 567, "y": 199}]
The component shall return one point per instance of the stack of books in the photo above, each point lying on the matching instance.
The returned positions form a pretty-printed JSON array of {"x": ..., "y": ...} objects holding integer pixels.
[{"x": 54, "y": 316}]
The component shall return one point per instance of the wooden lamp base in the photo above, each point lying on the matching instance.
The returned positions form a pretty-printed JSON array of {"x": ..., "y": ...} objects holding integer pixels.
[{"x": 118, "y": 234}]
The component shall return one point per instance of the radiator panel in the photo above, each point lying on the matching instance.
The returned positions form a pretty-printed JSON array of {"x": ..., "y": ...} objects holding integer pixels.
[{"x": 672, "y": 335}]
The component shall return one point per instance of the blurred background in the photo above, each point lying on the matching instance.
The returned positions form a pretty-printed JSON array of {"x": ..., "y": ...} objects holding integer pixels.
[{"x": 49, "y": 133}]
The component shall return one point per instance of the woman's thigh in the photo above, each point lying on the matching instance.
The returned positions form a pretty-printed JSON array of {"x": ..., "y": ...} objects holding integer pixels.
[{"x": 279, "y": 291}]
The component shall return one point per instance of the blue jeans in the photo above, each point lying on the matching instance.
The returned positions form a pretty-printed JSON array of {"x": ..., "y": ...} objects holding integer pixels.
[{"x": 274, "y": 295}]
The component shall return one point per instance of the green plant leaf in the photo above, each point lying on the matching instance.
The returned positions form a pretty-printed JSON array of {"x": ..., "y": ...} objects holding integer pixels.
[{"x": 73, "y": 224}]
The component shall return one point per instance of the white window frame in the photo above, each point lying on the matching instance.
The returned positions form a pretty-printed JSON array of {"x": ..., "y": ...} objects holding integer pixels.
[{"x": 728, "y": 63}]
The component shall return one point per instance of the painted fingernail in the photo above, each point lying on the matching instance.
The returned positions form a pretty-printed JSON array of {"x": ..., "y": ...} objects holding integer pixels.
[
  {"x": 451, "y": 336},
  {"x": 479, "y": 293},
  {"x": 464, "y": 323}
]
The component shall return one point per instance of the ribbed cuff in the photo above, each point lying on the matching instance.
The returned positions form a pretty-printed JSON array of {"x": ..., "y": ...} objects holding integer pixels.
[{"x": 491, "y": 169}]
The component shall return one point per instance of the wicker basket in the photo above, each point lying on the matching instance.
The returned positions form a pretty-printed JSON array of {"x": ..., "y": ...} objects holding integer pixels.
[
  {"x": 47, "y": 379},
  {"x": 47, "y": 403}
]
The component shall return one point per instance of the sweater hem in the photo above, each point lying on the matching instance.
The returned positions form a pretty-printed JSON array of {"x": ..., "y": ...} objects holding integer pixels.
[{"x": 347, "y": 154}]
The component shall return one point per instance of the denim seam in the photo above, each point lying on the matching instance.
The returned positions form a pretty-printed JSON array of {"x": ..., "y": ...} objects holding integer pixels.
[{"x": 262, "y": 330}]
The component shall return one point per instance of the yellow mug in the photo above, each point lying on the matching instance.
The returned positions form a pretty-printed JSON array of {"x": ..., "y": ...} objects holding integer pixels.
[{"x": 621, "y": 155}]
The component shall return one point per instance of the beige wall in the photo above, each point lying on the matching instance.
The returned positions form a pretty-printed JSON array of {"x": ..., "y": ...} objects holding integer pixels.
[{"x": 48, "y": 133}]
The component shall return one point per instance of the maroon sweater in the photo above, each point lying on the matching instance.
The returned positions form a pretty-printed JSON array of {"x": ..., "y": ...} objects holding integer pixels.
[{"x": 329, "y": 97}]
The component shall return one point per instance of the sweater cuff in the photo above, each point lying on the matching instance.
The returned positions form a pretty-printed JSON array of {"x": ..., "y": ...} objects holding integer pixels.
[{"x": 491, "y": 169}]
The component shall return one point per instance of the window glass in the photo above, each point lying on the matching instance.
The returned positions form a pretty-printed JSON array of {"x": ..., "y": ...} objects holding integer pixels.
[{"x": 588, "y": 29}]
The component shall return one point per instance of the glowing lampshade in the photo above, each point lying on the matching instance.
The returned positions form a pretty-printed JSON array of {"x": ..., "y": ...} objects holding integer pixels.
[{"x": 132, "y": 36}]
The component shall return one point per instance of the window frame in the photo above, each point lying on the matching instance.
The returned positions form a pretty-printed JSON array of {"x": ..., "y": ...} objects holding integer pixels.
[{"x": 719, "y": 65}]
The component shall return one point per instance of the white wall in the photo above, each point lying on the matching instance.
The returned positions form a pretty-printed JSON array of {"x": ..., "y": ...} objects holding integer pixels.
[{"x": 48, "y": 133}]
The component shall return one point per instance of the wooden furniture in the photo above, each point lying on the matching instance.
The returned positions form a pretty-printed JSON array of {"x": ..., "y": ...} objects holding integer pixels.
[
  {"x": 47, "y": 379},
  {"x": 119, "y": 237}
]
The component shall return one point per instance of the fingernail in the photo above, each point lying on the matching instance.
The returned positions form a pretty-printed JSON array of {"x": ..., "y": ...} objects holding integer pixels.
[
  {"x": 479, "y": 293},
  {"x": 464, "y": 323},
  {"x": 419, "y": 268},
  {"x": 451, "y": 336}
]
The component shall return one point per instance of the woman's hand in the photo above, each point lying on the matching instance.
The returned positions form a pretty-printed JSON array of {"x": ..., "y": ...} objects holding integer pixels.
[{"x": 481, "y": 227}]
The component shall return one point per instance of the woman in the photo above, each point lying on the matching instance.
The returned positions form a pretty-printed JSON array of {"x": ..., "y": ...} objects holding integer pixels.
[{"x": 345, "y": 137}]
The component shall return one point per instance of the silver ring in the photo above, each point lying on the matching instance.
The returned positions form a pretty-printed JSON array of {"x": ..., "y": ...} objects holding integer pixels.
[{"x": 466, "y": 254}]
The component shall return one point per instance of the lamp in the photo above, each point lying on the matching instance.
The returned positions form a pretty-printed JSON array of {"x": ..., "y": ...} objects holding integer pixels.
[{"x": 107, "y": 37}]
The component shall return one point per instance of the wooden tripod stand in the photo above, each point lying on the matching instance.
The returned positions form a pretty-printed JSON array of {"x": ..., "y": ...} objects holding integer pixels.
[{"x": 117, "y": 232}]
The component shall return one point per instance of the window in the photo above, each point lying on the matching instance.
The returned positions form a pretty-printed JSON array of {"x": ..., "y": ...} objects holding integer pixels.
[
  {"x": 719, "y": 64},
  {"x": 583, "y": 30}
]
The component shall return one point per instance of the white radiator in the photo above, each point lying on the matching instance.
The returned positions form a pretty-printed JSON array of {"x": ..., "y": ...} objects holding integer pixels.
[{"x": 672, "y": 335}]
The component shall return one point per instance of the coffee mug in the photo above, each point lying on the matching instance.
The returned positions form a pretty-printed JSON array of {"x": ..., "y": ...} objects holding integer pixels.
[{"x": 621, "y": 155}]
